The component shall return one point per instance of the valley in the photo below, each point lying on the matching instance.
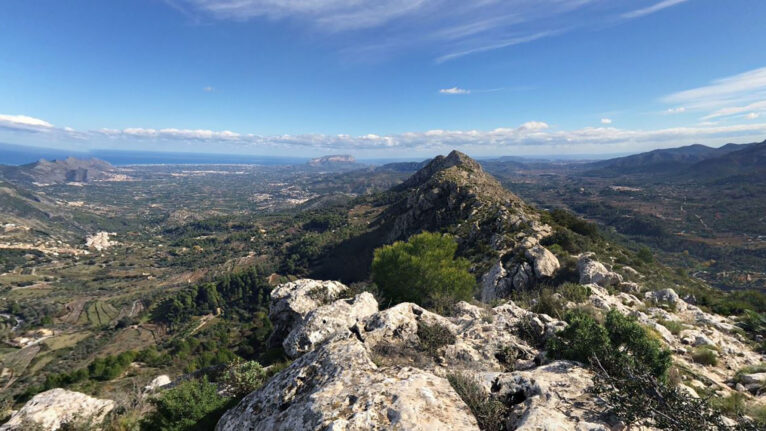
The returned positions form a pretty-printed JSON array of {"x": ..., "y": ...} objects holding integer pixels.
[{"x": 111, "y": 279}]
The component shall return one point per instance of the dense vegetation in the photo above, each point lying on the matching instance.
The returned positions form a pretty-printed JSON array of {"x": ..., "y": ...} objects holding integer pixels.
[
  {"x": 423, "y": 270},
  {"x": 632, "y": 374},
  {"x": 191, "y": 406},
  {"x": 238, "y": 295}
]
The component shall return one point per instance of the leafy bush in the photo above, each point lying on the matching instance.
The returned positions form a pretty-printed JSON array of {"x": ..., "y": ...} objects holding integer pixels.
[
  {"x": 582, "y": 339},
  {"x": 645, "y": 254},
  {"x": 191, "y": 406},
  {"x": 433, "y": 337},
  {"x": 423, "y": 270},
  {"x": 489, "y": 412},
  {"x": 242, "y": 378},
  {"x": 574, "y": 223},
  {"x": 619, "y": 343},
  {"x": 705, "y": 356}
]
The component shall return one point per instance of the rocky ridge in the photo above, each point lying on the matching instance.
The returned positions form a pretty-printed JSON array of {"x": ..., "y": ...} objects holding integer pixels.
[
  {"x": 360, "y": 368},
  {"x": 454, "y": 194}
]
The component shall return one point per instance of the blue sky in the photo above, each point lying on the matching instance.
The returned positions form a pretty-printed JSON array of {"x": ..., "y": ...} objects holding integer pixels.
[{"x": 382, "y": 78}]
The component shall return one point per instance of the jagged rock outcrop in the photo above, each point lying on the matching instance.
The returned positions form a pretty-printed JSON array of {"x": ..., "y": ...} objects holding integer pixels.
[
  {"x": 291, "y": 302},
  {"x": 50, "y": 410},
  {"x": 593, "y": 271},
  {"x": 339, "y": 387},
  {"x": 370, "y": 369},
  {"x": 374, "y": 375},
  {"x": 320, "y": 324},
  {"x": 549, "y": 397},
  {"x": 545, "y": 263}
]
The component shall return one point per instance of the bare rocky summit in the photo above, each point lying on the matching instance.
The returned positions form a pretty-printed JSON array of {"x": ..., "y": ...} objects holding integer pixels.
[
  {"x": 360, "y": 368},
  {"x": 369, "y": 375}
]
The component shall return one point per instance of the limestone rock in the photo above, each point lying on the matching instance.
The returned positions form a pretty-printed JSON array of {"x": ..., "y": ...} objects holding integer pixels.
[
  {"x": 523, "y": 277},
  {"x": 291, "y": 302},
  {"x": 338, "y": 387},
  {"x": 666, "y": 296},
  {"x": 542, "y": 396},
  {"x": 52, "y": 409},
  {"x": 545, "y": 262},
  {"x": 494, "y": 283},
  {"x": 757, "y": 378},
  {"x": 158, "y": 382},
  {"x": 593, "y": 271},
  {"x": 320, "y": 324}
]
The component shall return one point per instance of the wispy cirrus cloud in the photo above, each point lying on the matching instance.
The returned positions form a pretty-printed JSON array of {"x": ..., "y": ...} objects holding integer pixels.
[
  {"x": 725, "y": 97},
  {"x": 637, "y": 13},
  {"x": 449, "y": 29},
  {"x": 530, "y": 137}
]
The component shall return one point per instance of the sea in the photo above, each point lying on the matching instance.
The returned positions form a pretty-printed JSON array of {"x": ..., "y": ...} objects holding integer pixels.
[{"x": 21, "y": 155}]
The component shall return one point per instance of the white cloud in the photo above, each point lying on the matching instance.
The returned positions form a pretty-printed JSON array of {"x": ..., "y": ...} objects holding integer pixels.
[
  {"x": 208, "y": 89},
  {"x": 454, "y": 90},
  {"x": 23, "y": 122},
  {"x": 725, "y": 97},
  {"x": 530, "y": 137},
  {"x": 752, "y": 115},
  {"x": 606, "y": 121},
  {"x": 637, "y": 13},
  {"x": 197, "y": 134},
  {"x": 678, "y": 110}
]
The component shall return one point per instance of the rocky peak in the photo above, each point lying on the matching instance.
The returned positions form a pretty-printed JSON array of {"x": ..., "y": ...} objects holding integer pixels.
[
  {"x": 454, "y": 159},
  {"x": 454, "y": 194}
]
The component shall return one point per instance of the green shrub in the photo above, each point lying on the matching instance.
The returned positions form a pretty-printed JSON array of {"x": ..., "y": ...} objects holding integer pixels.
[
  {"x": 705, "y": 356},
  {"x": 489, "y": 412},
  {"x": 627, "y": 336},
  {"x": 645, "y": 254},
  {"x": 242, "y": 378},
  {"x": 619, "y": 343},
  {"x": 433, "y": 337},
  {"x": 574, "y": 292},
  {"x": 673, "y": 326},
  {"x": 191, "y": 406},
  {"x": 583, "y": 338},
  {"x": 423, "y": 270},
  {"x": 545, "y": 301}
]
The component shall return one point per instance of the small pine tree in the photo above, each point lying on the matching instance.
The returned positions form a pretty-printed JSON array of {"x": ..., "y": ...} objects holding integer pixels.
[{"x": 423, "y": 270}]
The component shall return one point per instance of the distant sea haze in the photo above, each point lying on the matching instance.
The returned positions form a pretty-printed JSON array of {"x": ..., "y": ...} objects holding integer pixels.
[{"x": 20, "y": 155}]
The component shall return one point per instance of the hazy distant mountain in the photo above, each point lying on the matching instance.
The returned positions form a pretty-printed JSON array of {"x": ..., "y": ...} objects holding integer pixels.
[
  {"x": 59, "y": 171},
  {"x": 332, "y": 160},
  {"x": 748, "y": 162},
  {"x": 408, "y": 167},
  {"x": 660, "y": 161}
]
